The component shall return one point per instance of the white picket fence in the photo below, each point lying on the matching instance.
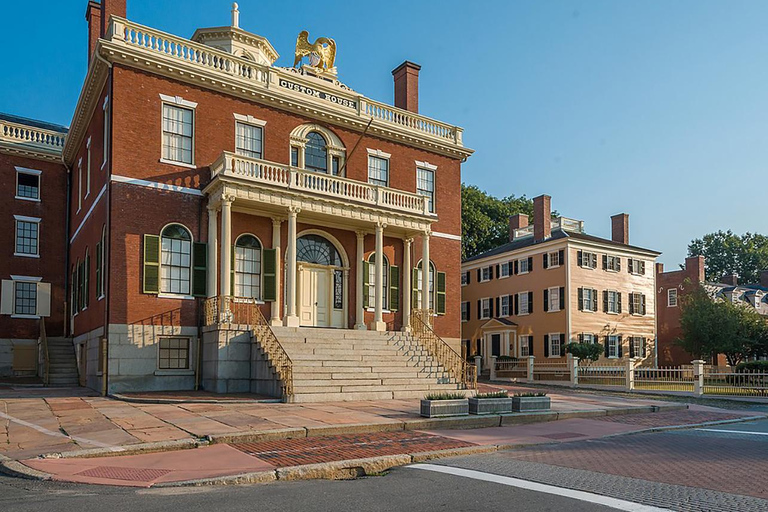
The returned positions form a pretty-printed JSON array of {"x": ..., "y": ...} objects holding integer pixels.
[{"x": 697, "y": 378}]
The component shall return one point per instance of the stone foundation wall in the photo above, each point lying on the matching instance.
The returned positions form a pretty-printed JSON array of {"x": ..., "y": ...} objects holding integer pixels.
[
  {"x": 91, "y": 341},
  {"x": 6, "y": 356}
]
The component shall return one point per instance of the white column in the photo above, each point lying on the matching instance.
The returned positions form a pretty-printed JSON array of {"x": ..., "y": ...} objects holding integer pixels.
[
  {"x": 425, "y": 270},
  {"x": 359, "y": 306},
  {"x": 276, "y": 243},
  {"x": 698, "y": 377},
  {"x": 212, "y": 243},
  {"x": 406, "y": 291},
  {"x": 226, "y": 254},
  {"x": 378, "y": 318},
  {"x": 291, "y": 318}
]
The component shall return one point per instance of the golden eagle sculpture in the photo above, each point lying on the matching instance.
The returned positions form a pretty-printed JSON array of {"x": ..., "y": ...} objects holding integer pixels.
[{"x": 323, "y": 50}]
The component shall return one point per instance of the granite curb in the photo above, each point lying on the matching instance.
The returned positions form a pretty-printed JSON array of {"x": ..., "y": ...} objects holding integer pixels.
[{"x": 139, "y": 400}]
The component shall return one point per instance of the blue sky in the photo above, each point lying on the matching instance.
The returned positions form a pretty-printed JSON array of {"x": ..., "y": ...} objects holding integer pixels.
[{"x": 656, "y": 108}]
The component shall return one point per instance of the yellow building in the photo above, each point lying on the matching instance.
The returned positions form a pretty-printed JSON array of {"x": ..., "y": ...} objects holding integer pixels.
[{"x": 554, "y": 284}]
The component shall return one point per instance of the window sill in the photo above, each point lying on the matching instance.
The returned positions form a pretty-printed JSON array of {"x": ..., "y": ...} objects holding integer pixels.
[
  {"x": 612, "y": 270},
  {"x": 503, "y": 277},
  {"x": 100, "y": 297},
  {"x": 523, "y": 314},
  {"x": 103, "y": 165},
  {"x": 179, "y": 164},
  {"x": 587, "y": 311},
  {"x": 671, "y": 305},
  {"x": 587, "y": 268},
  {"x": 30, "y": 317},
  {"x": 34, "y": 200},
  {"x": 484, "y": 281},
  {"x": 173, "y": 373},
  {"x": 551, "y": 267},
  {"x": 485, "y": 318},
  {"x": 23, "y": 255},
  {"x": 554, "y": 357},
  {"x": 236, "y": 301},
  {"x": 611, "y": 312},
  {"x": 174, "y": 296},
  {"x": 523, "y": 273},
  {"x": 553, "y": 310}
]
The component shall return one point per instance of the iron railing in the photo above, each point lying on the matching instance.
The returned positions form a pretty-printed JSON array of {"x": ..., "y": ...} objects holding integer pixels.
[{"x": 444, "y": 354}]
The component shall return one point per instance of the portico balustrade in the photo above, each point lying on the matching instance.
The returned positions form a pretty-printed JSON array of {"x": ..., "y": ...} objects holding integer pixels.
[{"x": 300, "y": 180}]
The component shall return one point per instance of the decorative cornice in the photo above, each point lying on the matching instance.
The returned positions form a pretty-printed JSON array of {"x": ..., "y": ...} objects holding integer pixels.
[{"x": 87, "y": 103}]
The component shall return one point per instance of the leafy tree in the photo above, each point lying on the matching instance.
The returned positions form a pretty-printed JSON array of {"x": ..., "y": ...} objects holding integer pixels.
[
  {"x": 585, "y": 351},
  {"x": 711, "y": 327},
  {"x": 485, "y": 219},
  {"x": 728, "y": 253}
]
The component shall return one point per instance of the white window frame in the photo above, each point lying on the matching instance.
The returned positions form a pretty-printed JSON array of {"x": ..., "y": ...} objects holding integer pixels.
[
  {"x": 432, "y": 285},
  {"x": 485, "y": 274},
  {"x": 88, "y": 167},
  {"x": 14, "y": 279},
  {"x": 105, "y": 133},
  {"x": 670, "y": 302},
  {"x": 504, "y": 270},
  {"x": 102, "y": 264},
  {"x": 32, "y": 172},
  {"x": 554, "y": 304},
  {"x": 616, "y": 263},
  {"x": 506, "y": 309},
  {"x": 584, "y": 299},
  {"x": 636, "y": 308},
  {"x": 178, "y": 102},
  {"x": 79, "y": 184},
  {"x": 249, "y": 120},
  {"x": 586, "y": 259},
  {"x": 520, "y": 263},
  {"x": 637, "y": 345},
  {"x": 465, "y": 278},
  {"x": 176, "y": 371},
  {"x": 31, "y": 220},
  {"x": 258, "y": 299},
  {"x": 523, "y": 341},
  {"x": 465, "y": 311},
  {"x": 615, "y": 311},
  {"x": 552, "y": 337},
  {"x": 613, "y": 346},
  {"x": 377, "y": 153},
  {"x": 591, "y": 340},
  {"x": 553, "y": 256},
  {"x": 431, "y": 196},
  {"x": 636, "y": 266},
  {"x": 371, "y": 306},
  {"x": 485, "y": 306},
  {"x": 520, "y": 297},
  {"x": 164, "y": 294}
]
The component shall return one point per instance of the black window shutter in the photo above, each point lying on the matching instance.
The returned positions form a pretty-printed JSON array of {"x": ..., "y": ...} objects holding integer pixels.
[
  {"x": 530, "y": 302},
  {"x": 469, "y": 310},
  {"x": 605, "y": 262},
  {"x": 498, "y": 274},
  {"x": 642, "y": 267},
  {"x": 498, "y": 309},
  {"x": 631, "y": 304},
  {"x": 561, "y": 256},
  {"x": 642, "y": 299},
  {"x": 469, "y": 274},
  {"x": 580, "y": 258},
  {"x": 619, "y": 341},
  {"x": 479, "y": 309},
  {"x": 581, "y": 338},
  {"x": 618, "y": 301},
  {"x": 546, "y": 299},
  {"x": 594, "y": 300},
  {"x": 530, "y": 345},
  {"x": 516, "y": 267},
  {"x": 618, "y": 264},
  {"x": 490, "y": 271},
  {"x": 631, "y": 346},
  {"x": 562, "y": 298},
  {"x": 546, "y": 345},
  {"x": 545, "y": 258},
  {"x": 490, "y": 308},
  {"x": 479, "y": 275},
  {"x": 581, "y": 299},
  {"x": 645, "y": 350},
  {"x": 629, "y": 265},
  {"x": 607, "y": 342},
  {"x": 530, "y": 263},
  {"x": 605, "y": 301},
  {"x": 517, "y": 304}
]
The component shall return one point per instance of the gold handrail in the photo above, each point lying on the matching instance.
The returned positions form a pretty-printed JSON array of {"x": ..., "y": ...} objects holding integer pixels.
[
  {"x": 243, "y": 310},
  {"x": 46, "y": 358},
  {"x": 445, "y": 355}
]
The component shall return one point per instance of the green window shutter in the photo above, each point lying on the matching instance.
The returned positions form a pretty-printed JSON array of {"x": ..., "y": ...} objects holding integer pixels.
[
  {"x": 366, "y": 282},
  {"x": 98, "y": 269},
  {"x": 269, "y": 274},
  {"x": 87, "y": 282},
  {"x": 440, "y": 293},
  {"x": 199, "y": 269},
  {"x": 232, "y": 271},
  {"x": 151, "y": 264},
  {"x": 394, "y": 288}
]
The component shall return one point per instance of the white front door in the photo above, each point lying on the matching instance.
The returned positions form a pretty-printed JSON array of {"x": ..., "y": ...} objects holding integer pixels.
[{"x": 314, "y": 295}]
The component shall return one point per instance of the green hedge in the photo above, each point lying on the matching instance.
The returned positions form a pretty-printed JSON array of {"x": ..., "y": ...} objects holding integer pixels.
[{"x": 752, "y": 366}]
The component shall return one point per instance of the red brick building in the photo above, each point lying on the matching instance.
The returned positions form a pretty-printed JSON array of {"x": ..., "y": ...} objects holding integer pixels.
[{"x": 204, "y": 177}]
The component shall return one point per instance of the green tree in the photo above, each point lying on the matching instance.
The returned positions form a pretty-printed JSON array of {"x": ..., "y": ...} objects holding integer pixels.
[
  {"x": 585, "y": 351},
  {"x": 485, "y": 219},
  {"x": 728, "y": 253},
  {"x": 711, "y": 327}
]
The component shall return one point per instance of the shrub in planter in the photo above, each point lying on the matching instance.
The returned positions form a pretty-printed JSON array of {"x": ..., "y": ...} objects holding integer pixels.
[
  {"x": 490, "y": 403},
  {"x": 437, "y": 405},
  {"x": 530, "y": 402}
]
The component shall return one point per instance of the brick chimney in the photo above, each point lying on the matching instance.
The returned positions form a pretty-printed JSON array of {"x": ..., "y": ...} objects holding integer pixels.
[
  {"x": 517, "y": 221},
  {"x": 730, "y": 280},
  {"x": 93, "y": 17},
  {"x": 764, "y": 278},
  {"x": 694, "y": 266},
  {"x": 407, "y": 86},
  {"x": 620, "y": 228},
  {"x": 659, "y": 268},
  {"x": 542, "y": 217},
  {"x": 111, "y": 8}
]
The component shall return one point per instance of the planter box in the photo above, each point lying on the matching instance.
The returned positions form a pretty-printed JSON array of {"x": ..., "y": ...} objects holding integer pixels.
[
  {"x": 530, "y": 403},
  {"x": 441, "y": 408},
  {"x": 490, "y": 405}
]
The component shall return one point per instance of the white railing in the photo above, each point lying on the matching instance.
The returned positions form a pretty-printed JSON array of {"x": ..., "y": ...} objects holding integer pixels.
[
  {"x": 512, "y": 368},
  {"x": 388, "y": 114},
  {"x": 732, "y": 383},
  {"x": 281, "y": 175},
  {"x": 602, "y": 375},
  {"x": 23, "y": 134},
  {"x": 185, "y": 50},
  {"x": 664, "y": 379}
]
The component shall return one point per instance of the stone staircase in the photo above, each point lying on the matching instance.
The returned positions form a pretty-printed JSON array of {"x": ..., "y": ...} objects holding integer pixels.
[
  {"x": 340, "y": 365},
  {"x": 63, "y": 365}
]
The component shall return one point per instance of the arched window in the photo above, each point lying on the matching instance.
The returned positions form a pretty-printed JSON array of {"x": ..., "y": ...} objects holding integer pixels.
[
  {"x": 315, "y": 153},
  {"x": 318, "y": 250},
  {"x": 248, "y": 267},
  {"x": 175, "y": 260},
  {"x": 372, "y": 282},
  {"x": 431, "y": 286}
]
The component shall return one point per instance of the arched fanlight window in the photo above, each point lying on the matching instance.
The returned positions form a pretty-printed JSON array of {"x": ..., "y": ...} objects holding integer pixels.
[
  {"x": 372, "y": 282},
  {"x": 176, "y": 260},
  {"x": 318, "y": 250},
  {"x": 248, "y": 267},
  {"x": 315, "y": 153},
  {"x": 431, "y": 285}
]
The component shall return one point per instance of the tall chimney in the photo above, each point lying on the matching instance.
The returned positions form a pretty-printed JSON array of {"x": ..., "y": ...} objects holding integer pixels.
[
  {"x": 730, "y": 280},
  {"x": 111, "y": 8},
  {"x": 659, "y": 268},
  {"x": 620, "y": 228},
  {"x": 542, "y": 217},
  {"x": 517, "y": 221},
  {"x": 93, "y": 17},
  {"x": 695, "y": 268},
  {"x": 764, "y": 278},
  {"x": 407, "y": 86}
]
